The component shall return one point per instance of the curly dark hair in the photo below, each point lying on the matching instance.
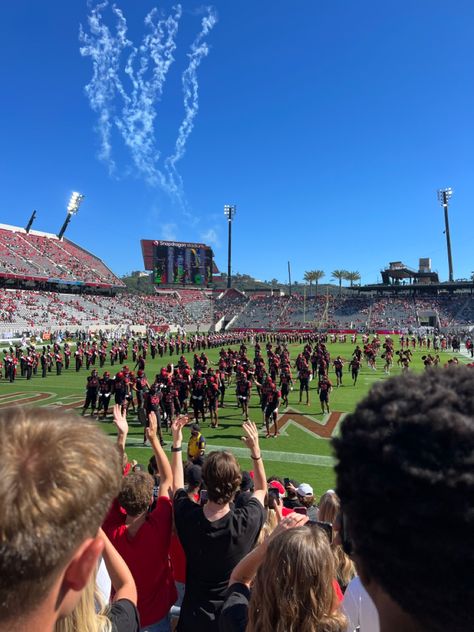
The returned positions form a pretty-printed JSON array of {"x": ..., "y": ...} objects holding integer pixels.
[
  {"x": 405, "y": 477},
  {"x": 222, "y": 476},
  {"x": 137, "y": 492}
]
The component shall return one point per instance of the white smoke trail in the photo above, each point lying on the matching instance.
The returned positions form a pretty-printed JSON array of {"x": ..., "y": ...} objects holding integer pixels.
[
  {"x": 105, "y": 50},
  {"x": 137, "y": 121},
  {"x": 145, "y": 70},
  {"x": 199, "y": 50}
]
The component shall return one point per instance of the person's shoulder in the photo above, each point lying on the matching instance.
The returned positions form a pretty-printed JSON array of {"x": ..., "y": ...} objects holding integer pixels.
[
  {"x": 163, "y": 509},
  {"x": 252, "y": 507},
  {"x": 124, "y": 616},
  {"x": 182, "y": 503}
]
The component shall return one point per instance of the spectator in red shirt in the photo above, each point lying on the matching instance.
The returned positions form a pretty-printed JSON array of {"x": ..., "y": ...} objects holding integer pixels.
[{"x": 143, "y": 539}]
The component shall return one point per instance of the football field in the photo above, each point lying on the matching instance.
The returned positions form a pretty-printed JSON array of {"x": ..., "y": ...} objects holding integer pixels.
[{"x": 302, "y": 451}]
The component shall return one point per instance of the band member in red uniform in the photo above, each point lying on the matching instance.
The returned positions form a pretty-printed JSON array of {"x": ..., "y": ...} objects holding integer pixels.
[
  {"x": 120, "y": 389},
  {"x": 44, "y": 363},
  {"x": 355, "y": 365},
  {"x": 153, "y": 405},
  {"x": 338, "y": 366},
  {"x": 286, "y": 383},
  {"x": 67, "y": 355},
  {"x": 303, "y": 376},
  {"x": 92, "y": 391},
  {"x": 212, "y": 396},
  {"x": 59, "y": 362},
  {"x": 324, "y": 388},
  {"x": 243, "y": 391},
  {"x": 170, "y": 401},
  {"x": 140, "y": 387},
  {"x": 77, "y": 357},
  {"x": 105, "y": 392},
  {"x": 271, "y": 410},
  {"x": 198, "y": 394},
  {"x": 102, "y": 355}
]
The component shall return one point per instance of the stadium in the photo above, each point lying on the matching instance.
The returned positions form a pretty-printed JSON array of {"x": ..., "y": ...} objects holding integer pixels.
[
  {"x": 237, "y": 366},
  {"x": 54, "y": 292}
]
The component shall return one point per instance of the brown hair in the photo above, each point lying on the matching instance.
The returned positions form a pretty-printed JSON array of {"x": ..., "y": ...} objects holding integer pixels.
[
  {"x": 136, "y": 493},
  {"x": 293, "y": 589},
  {"x": 222, "y": 475},
  {"x": 329, "y": 508},
  {"x": 59, "y": 475}
]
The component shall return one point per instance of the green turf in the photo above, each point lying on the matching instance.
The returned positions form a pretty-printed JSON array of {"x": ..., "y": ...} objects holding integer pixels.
[{"x": 296, "y": 453}]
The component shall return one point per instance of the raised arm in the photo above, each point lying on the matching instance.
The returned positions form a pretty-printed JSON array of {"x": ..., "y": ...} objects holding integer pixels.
[
  {"x": 176, "y": 452},
  {"x": 251, "y": 441},
  {"x": 247, "y": 568},
  {"x": 164, "y": 468},
  {"x": 120, "y": 421},
  {"x": 119, "y": 573}
]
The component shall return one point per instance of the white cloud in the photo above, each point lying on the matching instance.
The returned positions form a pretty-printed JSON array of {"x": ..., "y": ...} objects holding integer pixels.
[
  {"x": 168, "y": 232},
  {"x": 211, "y": 238}
]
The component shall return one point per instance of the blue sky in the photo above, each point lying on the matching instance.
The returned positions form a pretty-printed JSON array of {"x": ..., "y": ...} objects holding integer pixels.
[{"x": 329, "y": 124}]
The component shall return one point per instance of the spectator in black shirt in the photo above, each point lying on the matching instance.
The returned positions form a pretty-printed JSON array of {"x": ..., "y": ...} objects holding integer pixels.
[
  {"x": 214, "y": 537},
  {"x": 246, "y": 491},
  {"x": 291, "y": 499}
]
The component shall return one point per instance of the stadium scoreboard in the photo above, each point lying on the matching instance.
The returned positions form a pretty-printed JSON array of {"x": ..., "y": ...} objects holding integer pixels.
[{"x": 178, "y": 263}]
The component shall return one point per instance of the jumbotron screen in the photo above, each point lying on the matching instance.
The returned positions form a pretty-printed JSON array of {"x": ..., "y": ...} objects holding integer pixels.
[{"x": 178, "y": 263}]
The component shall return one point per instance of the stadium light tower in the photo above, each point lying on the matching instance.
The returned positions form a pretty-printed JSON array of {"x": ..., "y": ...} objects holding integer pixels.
[
  {"x": 30, "y": 222},
  {"x": 229, "y": 211},
  {"x": 72, "y": 208},
  {"x": 443, "y": 197}
]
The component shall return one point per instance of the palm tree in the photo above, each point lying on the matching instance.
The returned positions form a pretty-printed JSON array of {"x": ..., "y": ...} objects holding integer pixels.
[
  {"x": 353, "y": 276},
  {"x": 309, "y": 278},
  {"x": 339, "y": 275},
  {"x": 317, "y": 276}
]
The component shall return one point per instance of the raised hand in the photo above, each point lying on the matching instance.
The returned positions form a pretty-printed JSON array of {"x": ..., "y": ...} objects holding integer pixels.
[
  {"x": 177, "y": 428},
  {"x": 251, "y": 438},
  {"x": 120, "y": 419},
  {"x": 152, "y": 428},
  {"x": 290, "y": 522}
]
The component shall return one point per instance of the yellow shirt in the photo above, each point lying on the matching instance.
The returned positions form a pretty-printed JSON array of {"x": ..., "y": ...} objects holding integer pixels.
[{"x": 195, "y": 445}]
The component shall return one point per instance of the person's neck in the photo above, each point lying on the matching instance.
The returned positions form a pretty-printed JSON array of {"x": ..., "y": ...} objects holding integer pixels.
[
  {"x": 213, "y": 511},
  {"x": 392, "y": 617},
  {"x": 43, "y": 618},
  {"x": 134, "y": 523}
]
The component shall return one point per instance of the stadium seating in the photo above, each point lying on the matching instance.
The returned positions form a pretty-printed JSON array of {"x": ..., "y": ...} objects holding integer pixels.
[
  {"x": 29, "y": 309},
  {"x": 42, "y": 256}
]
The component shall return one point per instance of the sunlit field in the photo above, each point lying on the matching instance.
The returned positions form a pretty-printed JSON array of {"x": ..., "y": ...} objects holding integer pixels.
[{"x": 302, "y": 451}]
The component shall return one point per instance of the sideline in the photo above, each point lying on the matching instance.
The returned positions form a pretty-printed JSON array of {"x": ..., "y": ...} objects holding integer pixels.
[{"x": 268, "y": 455}]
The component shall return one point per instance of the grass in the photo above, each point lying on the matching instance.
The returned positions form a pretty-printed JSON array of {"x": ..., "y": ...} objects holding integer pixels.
[{"x": 297, "y": 453}]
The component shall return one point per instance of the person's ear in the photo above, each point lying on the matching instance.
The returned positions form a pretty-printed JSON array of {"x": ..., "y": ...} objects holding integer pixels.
[{"x": 82, "y": 564}]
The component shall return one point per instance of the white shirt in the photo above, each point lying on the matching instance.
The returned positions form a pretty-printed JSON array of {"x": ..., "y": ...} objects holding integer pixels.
[{"x": 359, "y": 608}]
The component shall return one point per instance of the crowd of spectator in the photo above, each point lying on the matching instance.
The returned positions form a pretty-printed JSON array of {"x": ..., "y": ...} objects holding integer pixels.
[
  {"x": 189, "y": 308},
  {"x": 101, "y": 544},
  {"x": 44, "y": 256},
  {"x": 35, "y": 310}
]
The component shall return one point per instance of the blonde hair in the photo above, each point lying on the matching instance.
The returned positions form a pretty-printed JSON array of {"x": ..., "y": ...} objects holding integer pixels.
[
  {"x": 329, "y": 508},
  {"x": 59, "y": 477},
  {"x": 84, "y": 617},
  {"x": 293, "y": 589},
  {"x": 269, "y": 525}
]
